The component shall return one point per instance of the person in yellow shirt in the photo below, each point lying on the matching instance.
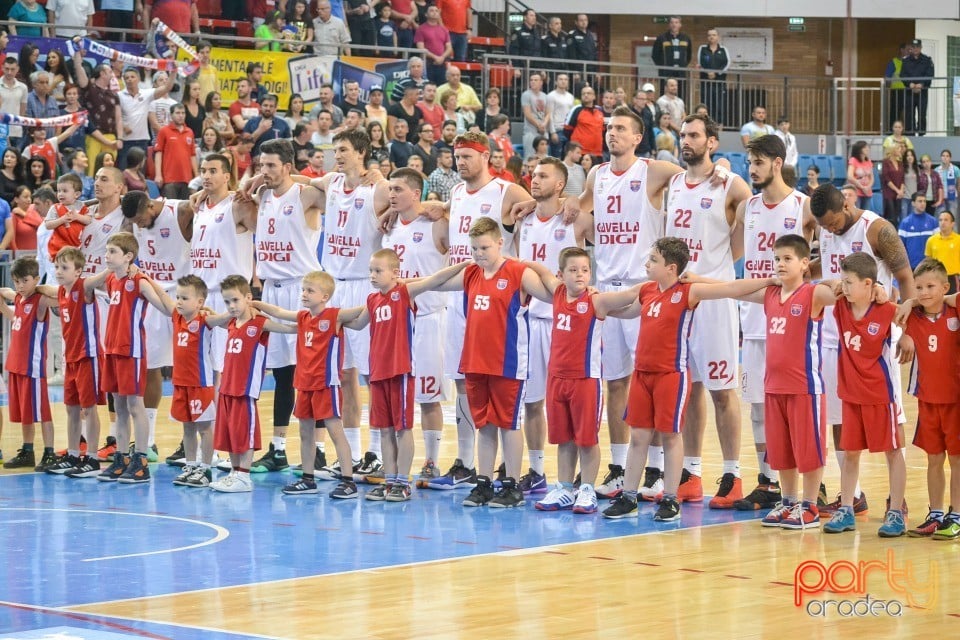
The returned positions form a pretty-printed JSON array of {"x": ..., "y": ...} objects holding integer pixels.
[
  {"x": 945, "y": 247},
  {"x": 207, "y": 73}
]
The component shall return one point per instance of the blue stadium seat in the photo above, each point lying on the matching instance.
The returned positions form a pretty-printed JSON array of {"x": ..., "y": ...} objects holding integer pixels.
[
  {"x": 876, "y": 202},
  {"x": 838, "y": 168},
  {"x": 152, "y": 189}
]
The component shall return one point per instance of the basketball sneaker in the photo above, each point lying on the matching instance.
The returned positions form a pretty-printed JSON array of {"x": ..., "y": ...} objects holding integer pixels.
[
  {"x": 948, "y": 530},
  {"x": 803, "y": 515},
  {"x": 398, "y": 492},
  {"x": 137, "y": 472},
  {"x": 612, "y": 485},
  {"x": 652, "y": 488},
  {"x": 115, "y": 470},
  {"x": 930, "y": 525},
  {"x": 457, "y": 476},
  {"x": 273, "y": 460},
  {"x": 623, "y": 507},
  {"x": 731, "y": 490},
  {"x": 300, "y": 487},
  {"x": 23, "y": 460},
  {"x": 105, "y": 453},
  {"x": 346, "y": 490},
  {"x": 63, "y": 452},
  {"x": 586, "y": 500},
  {"x": 822, "y": 497},
  {"x": 841, "y": 520},
  {"x": 481, "y": 494},
  {"x": 183, "y": 476},
  {"x": 335, "y": 471},
  {"x": 63, "y": 464},
  {"x": 370, "y": 471},
  {"x": 222, "y": 465},
  {"x": 200, "y": 478},
  {"x": 777, "y": 515},
  {"x": 557, "y": 499},
  {"x": 319, "y": 462},
  {"x": 508, "y": 496},
  {"x": 893, "y": 525},
  {"x": 668, "y": 511},
  {"x": 178, "y": 458},
  {"x": 89, "y": 467},
  {"x": 378, "y": 493},
  {"x": 234, "y": 482},
  {"x": 860, "y": 506},
  {"x": 533, "y": 482},
  {"x": 153, "y": 454},
  {"x": 428, "y": 473},
  {"x": 501, "y": 475},
  {"x": 765, "y": 496},
  {"x": 903, "y": 507},
  {"x": 690, "y": 489},
  {"x": 47, "y": 460}
]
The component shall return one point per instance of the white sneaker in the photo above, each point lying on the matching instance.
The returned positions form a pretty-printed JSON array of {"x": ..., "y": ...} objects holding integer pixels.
[
  {"x": 586, "y": 500},
  {"x": 221, "y": 464},
  {"x": 558, "y": 499},
  {"x": 652, "y": 493},
  {"x": 233, "y": 483},
  {"x": 613, "y": 484}
]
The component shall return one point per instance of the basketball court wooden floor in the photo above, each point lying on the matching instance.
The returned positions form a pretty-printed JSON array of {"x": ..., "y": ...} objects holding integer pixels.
[{"x": 87, "y": 560}]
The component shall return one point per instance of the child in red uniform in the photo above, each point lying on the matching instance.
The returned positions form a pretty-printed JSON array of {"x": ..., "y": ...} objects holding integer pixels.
[
  {"x": 193, "y": 392},
  {"x": 494, "y": 359},
  {"x": 934, "y": 329},
  {"x": 124, "y": 360},
  {"x": 661, "y": 383},
  {"x": 237, "y": 429},
  {"x": 27, "y": 363},
  {"x": 390, "y": 313},
  {"x": 80, "y": 327},
  {"x": 68, "y": 217},
  {"x": 866, "y": 390},
  {"x": 317, "y": 377}
]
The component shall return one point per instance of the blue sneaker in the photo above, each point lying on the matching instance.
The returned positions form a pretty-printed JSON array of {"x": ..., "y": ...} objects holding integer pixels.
[
  {"x": 893, "y": 525},
  {"x": 560, "y": 498},
  {"x": 533, "y": 482},
  {"x": 843, "y": 520},
  {"x": 458, "y": 476}
]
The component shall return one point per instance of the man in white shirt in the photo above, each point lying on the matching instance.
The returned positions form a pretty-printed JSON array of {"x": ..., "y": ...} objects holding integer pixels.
[
  {"x": 322, "y": 139},
  {"x": 135, "y": 105},
  {"x": 329, "y": 32},
  {"x": 671, "y": 102},
  {"x": 560, "y": 102},
  {"x": 789, "y": 140},
  {"x": 72, "y": 17},
  {"x": 756, "y": 127},
  {"x": 13, "y": 98}
]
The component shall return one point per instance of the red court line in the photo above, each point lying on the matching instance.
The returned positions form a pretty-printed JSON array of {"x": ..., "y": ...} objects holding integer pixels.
[
  {"x": 418, "y": 538},
  {"x": 691, "y": 570},
  {"x": 600, "y": 558},
  {"x": 84, "y": 618},
  {"x": 647, "y": 564},
  {"x": 373, "y": 533},
  {"x": 463, "y": 542},
  {"x": 730, "y": 575},
  {"x": 284, "y": 524},
  {"x": 782, "y": 584},
  {"x": 508, "y": 547}
]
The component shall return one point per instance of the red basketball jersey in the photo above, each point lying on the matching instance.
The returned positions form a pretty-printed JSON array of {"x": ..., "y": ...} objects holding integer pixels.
[
  {"x": 79, "y": 322},
  {"x": 863, "y": 372},
  {"x": 575, "y": 337},
  {"x": 497, "y": 335},
  {"x": 933, "y": 374},
  {"x": 319, "y": 350},
  {"x": 391, "y": 332},
  {"x": 66, "y": 235},
  {"x": 793, "y": 342},
  {"x": 192, "y": 351},
  {"x": 246, "y": 358},
  {"x": 665, "y": 322},
  {"x": 125, "y": 334},
  {"x": 27, "y": 352}
]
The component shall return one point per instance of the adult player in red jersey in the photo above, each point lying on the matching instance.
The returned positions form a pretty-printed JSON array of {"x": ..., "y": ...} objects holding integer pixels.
[
  {"x": 163, "y": 229},
  {"x": 705, "y": 216},
  {"x": 844, "y": 230},
  {"x": 540, "y": 238},
  {"x": 421, "y": 245},
  {"x": 776, "y": 210}
]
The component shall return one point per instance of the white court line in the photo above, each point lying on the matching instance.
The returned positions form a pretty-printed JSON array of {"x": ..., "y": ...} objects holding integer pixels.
[{"x": 222, "y": 533}]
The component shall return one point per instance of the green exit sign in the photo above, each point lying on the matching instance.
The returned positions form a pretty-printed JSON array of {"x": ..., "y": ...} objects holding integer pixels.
[
  {"x": 796, "y": 21},
  {"x": 661, "y": 19},
  {"x": 797, "y": 27}
]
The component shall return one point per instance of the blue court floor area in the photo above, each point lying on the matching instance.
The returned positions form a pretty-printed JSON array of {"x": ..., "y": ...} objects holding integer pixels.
[{"x": 69, "y": 542}]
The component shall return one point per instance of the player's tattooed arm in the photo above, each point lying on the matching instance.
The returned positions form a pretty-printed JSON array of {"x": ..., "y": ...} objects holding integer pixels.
[{"x": 889, "y": 248}]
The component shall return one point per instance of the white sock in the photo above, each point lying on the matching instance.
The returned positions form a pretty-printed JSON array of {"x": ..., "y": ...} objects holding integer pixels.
[
  {"x": 766, "y": 470},
  {"x": 322, "y": 447},
  {"x": 655, "y": 457},
  {"x": 113, "y": 429},
  {"x": 618, "y": 453},
  {"x": 279, "y": 444},
  {"x": 536, "y": 460},
  {"x": 693, "y": 465},
  {"x": 431, "y": 444},
  {"x": 152, "y": 419},
  {"x": 732, "y": 466},
  {"x": 353, "y": 439},
  {"x": 466, "y": 432},
  {"x": 375, "y": 443}
]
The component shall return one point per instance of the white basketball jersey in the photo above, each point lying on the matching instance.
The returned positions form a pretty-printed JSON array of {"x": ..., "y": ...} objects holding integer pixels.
[
  {"x": 833, "y": 249},
  {"x": 625, "y": 223},
  {"x": 164, "y": 252},
  {"x": 351, "y": 230},
  {"x": 419, "y": 257},
  {"x": 542, "y": 240},
  {"x": 466, "y": 207},
  {"x": 93, "y": 240},
  {"x": 286, "y": 246},
  {"x": 763, "y": 224},
  {"x": 698, "y": 214},
  {"x": 216, "y": 249}
]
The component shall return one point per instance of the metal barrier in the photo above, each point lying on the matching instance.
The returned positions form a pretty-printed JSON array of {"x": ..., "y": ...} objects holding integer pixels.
[{"x": 869, "y": 106}]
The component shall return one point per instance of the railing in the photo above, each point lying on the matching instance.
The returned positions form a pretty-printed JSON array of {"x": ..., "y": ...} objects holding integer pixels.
[{"x": 869, "y": 106}]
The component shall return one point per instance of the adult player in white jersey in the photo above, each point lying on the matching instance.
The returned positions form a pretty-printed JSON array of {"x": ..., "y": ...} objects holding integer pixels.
[
  {"x": 422, "y": 247},
  {"x": 540, "y": 237},
  {"x": 845, "y": 229},
  {"x": 775, "y": 211},
  {"x": 286, "y": 241},
  {"x": 705, "y": 216},
  {"x": 479, "y": 195},
  {"x": 163, "y": 229}
]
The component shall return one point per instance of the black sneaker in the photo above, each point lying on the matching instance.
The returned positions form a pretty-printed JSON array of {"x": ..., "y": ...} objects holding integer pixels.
[
  {"x": 612, "y": 485},
  {"x": 137, "y": 472},
  {"x": 369, "y": 466},
  {"x": 668, "y": 512},
  {"x": 303, "y": 486},
  {"x": 23, "y": 460},
  {"x": 48, "y": 460},
  {"x": 64, "y": 464},
  {"x": 481, "y": 494},
  {"x": 623, "y": 507},
  {"x": 319, "y": 461},
  {"x": 273, "y": 460},
  {"x": 458, "y": 476},
  {"x": 89, "y": 467},
  {"x": 183, "y": 476},
  {"x": 822, "y": 498},
  {"x": 116, "y": 468},
  {"x": 346, "y": 490},
  {"x": 764, "y": 497},
  {"x": 509, "y": 495},
  {"x": 178, "y": 458},
  {"x": 501, "y": 474}
]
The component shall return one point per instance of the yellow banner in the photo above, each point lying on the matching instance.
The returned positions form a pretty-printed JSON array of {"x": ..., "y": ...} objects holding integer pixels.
[{"x": 231, "y": 65}]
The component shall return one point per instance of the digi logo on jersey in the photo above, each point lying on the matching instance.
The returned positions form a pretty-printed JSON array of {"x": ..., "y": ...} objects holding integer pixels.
[
  {"x": 617, "y": 232},
  {"x": 158, "y": 270},
  {"x": 274, "y": 251},
  {"x": 204, "y": 258},
  {"x": 341, "y": 245},
  {"x": 695, "y": 246},
  {"x": 762, "y": 268}
]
